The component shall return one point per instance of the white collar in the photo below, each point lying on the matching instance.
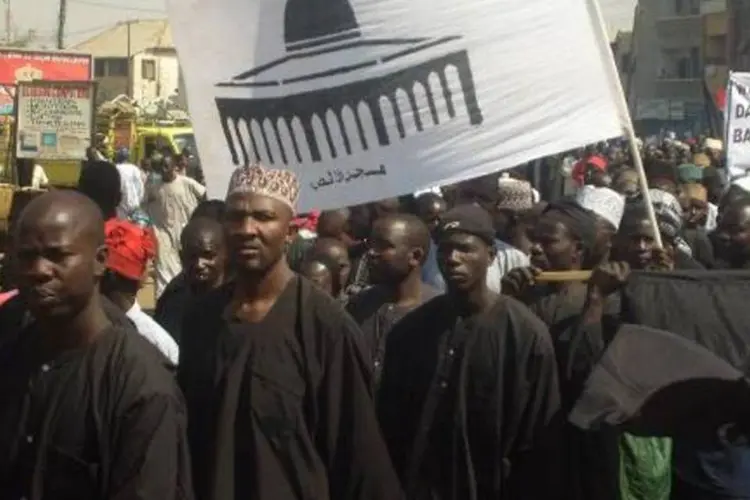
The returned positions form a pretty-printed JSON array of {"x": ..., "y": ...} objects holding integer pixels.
[{"x": 134, "y": 309}]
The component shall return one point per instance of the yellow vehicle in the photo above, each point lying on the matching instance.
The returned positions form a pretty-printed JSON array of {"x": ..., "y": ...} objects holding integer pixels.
[
  {"x": 119, "y": 124},
  {"x": 162, "y": 136}
]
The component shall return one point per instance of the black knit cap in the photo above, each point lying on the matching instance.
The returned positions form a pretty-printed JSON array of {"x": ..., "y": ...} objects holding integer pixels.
[{"x": 468, "y": 219}]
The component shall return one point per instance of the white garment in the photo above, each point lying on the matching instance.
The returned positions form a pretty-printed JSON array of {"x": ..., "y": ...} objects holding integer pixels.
[
  {"x": 713, "y": 214},
  {"x": 170, "y": 205},
  {"x": 39, "y": 177},
  {"x": 154, "y": 333},
  {"x": 508, "y": 258},
  {"x": 132, "y": 188},
  {"x": 434, "y": 190},
  {"x": 306, "y": 234}
]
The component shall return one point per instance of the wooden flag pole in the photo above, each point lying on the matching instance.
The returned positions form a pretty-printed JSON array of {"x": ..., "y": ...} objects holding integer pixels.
[
  {"x": 595, "y": 12},
  {"x": 562, "y": 276},
  {"x": 597, "y": 18}
]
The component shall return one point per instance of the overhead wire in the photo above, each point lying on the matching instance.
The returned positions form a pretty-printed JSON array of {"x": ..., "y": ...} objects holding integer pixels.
[{"x": 115, "y": 6}]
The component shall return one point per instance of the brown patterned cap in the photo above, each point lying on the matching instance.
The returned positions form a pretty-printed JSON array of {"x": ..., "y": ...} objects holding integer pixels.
[
  {"x": 514, "y": 194},
  {"x": 281, "y": 185}
]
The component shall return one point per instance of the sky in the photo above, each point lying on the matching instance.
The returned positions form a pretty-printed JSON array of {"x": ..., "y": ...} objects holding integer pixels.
[{"x": 87, "y": 17}]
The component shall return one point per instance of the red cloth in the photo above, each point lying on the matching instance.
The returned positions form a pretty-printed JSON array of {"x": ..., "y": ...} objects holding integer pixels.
[
  {"x": 721, "y": 99},
  {"x": 130, "y": 248},
  {"x": 309, "y": 222},
  {"x": 579, "y": 169},
  {"x": 6, "y": 296}
]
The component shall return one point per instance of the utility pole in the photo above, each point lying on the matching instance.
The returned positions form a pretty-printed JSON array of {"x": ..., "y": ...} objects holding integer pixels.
[
  {"x": 8, "y": 20},
  {"x": 61, "y": 18},
  {"x": 129, "y": 92}
]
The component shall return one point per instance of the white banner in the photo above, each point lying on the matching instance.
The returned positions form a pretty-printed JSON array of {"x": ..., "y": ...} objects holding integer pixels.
[
  {"x": 367, "y": 99},
  {"x": 737, "y": 117},
  {"x": 54, "y": 120}
]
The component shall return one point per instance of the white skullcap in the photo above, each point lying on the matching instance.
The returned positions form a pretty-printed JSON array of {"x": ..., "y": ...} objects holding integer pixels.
[
  {"x": 604, "y": 202},
  {"x": 714, "y": 144}
]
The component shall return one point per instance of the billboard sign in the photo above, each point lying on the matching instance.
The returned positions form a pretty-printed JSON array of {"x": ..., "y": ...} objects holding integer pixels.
[
  {"x": 25, "y": 65},
  {"x": 54, "y": 120}
]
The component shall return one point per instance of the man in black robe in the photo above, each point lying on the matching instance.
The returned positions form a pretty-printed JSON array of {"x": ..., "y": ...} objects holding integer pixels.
[
  {"x": 88, "y": 408},
  {"x": 277, "y": 386},
  {"x": 733, "y": 234},
  {"x": 635, "y": 242},
  {"x": 565, "y": 239},
  {"x": 203, "y": 254},
  {"x": 468, "y": 399},
  {"x": 399, "y": 245}
]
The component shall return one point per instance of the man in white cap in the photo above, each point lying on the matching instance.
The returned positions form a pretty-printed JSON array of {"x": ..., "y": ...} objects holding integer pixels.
[
  {"x": 277, "y": 387},
  {"x": 714, "y": 148},
  {"x": 608, "y": 205}
]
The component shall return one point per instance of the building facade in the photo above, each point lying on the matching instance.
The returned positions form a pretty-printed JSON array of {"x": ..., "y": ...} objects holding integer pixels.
[
  {"x": 715, "y": 45},
  {"x": 739, "y": 35},
  {"x": 680, "y": 59},
  {"x": 134, "y": 58},
  {"x": 622, "y": 50}
]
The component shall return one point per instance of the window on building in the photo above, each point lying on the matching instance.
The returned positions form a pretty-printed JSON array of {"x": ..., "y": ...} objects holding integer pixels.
[
  {"x": 117, "y": 66},
  {"x": 695, "y": 63},
  {"x": 148, "y": 69},
  {"x": 100, "y": 68},
  {"x": 678, "y": 7}
]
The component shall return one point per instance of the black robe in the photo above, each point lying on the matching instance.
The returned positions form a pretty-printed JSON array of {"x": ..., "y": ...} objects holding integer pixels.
[
  {"x": 14, "y": 316},
  {"x": 282, "y": 409},
  {"x": 701, "y": 247},
  {"x": 376, "y": 316},
  {"x": 491, "y": 381},
  {"x": 592, "y": 457},
  {"x": 172, "y": 306},
  {"x": 102, "y": 422}
]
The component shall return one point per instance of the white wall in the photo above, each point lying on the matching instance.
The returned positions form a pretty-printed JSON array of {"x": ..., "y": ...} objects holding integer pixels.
[
  {"x": 166, "y": 76},
  {"x": 713, "y": 6}
]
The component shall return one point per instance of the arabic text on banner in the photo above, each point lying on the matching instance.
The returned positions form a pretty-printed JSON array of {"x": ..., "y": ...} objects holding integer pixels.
[
  {"x": 367, "y": 99},
  {"x": 738, "y": 124},
  {"x": 54, "y": 120}
]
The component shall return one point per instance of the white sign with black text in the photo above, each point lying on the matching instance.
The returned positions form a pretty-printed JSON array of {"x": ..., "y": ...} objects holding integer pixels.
[
  {"x": 738, "y": 124},
  {"x": 367, "y": 99},
  {"x": 54, "y": 120}
]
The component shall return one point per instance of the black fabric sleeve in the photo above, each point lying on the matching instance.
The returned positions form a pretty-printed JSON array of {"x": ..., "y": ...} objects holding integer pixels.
[
  {"x": 150, "y": 460},
  {"x": 535, "y": 472},
  {"x": 350, "y": 441}
]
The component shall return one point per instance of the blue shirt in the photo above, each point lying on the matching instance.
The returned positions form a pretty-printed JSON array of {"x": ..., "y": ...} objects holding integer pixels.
[{"x": 720, "y": 471}]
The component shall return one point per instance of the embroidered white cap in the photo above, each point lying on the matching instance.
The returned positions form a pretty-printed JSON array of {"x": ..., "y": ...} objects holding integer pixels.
[{"x": 604, "y": 202}]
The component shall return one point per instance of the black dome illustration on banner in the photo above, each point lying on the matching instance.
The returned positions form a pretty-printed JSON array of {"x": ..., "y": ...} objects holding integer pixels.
[{"x": 353, "y": 79}]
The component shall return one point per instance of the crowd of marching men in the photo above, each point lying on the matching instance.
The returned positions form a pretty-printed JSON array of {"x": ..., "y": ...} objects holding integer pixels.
[{"x": 427, "y": 347}]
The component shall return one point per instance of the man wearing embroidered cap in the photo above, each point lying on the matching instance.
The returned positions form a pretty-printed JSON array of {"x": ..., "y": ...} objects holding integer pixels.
[
  {"x": 285, "y": 398},
  {"x": 516, "y": 200},
  {"x": 449, "y": 398}
]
